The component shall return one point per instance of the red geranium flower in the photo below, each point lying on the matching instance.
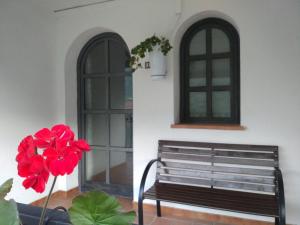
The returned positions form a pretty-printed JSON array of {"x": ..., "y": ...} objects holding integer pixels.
[{"x": 60, "y": 155}]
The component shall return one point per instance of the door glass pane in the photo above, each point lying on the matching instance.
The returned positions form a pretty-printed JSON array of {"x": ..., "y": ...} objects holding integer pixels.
[
  {"x": 221, "y": 104},
  {"x": 198, "y": 104},
  {"x": 220, "y": 41},
  {"x": 118, "y": 130},
  {"x": 121, "y": 92},
  {"x": 198, "y": 43},
  {"x": 118, "y": 58},
  {"x": 96, "y": 165},
  {"x": 97, "y": 129},
  {"x": 121, "y": 167},
  {"x": 221, "y": 72},
  {"x": 197, "y": 73},
  {"x": 95, "y": 93},
  {"x": 96, "y": 59}
]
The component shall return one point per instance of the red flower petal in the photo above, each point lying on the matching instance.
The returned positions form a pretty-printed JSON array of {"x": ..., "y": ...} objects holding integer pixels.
[
  {"x": 63, "y": 132},
  {"x": 39, "y": 186},
  {"x": 44, "y": 134},
  {"x": 82, "y": 145},
  {"x": 29, "y": 182}
]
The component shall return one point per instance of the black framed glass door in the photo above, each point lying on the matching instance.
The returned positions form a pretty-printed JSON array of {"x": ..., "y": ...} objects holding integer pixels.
[{"x": 105, "y": 115}]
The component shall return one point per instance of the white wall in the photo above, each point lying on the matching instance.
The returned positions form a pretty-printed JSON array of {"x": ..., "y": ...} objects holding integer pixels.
[
  {"x": 28, "y": 96},
  {"x": 270, "y": 53}
]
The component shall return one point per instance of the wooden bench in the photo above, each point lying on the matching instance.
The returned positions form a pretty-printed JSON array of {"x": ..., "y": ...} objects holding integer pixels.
[{"x": 232, "y": 177}]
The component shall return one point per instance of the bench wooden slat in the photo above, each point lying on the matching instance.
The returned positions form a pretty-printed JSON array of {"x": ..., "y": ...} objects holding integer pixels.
[
  {"x": 264, "y": 148},
  {"x": 223, "y": 160},
  {"x": 223, "y": 169},
  {"x": 184, "y": 180},
  {"x": 244, "y": 186},
  {"x": 250, "y": 162},
  {"x": 228, "y": 153},
  {"x": 216, "y": 176},
  {"x": 216, "y": 183},
  {"x": 185, "y": 150},
  {"x": 249, "y": 155}
]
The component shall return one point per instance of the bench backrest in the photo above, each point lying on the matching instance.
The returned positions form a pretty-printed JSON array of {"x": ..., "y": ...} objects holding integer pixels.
[{"x": 215, "y": 165}]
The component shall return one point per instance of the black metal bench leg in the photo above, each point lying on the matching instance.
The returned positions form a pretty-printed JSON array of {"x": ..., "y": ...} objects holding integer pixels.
[
  {"x": 158, "y": 209},
  {"x": 140, "y": 212},
  {"x": 279, "y": 221}
]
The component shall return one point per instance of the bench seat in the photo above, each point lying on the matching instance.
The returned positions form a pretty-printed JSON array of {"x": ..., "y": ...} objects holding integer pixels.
[{"x": 244, "y": 202}]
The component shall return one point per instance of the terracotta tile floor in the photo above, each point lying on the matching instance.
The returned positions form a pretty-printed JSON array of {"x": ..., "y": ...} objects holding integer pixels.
[{"x": 149, "y": 217}]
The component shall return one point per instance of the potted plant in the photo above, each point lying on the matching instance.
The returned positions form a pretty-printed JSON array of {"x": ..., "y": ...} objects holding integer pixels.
[
  {"x": 157, "y": 48},
  {"x": 56, "y": 152}
]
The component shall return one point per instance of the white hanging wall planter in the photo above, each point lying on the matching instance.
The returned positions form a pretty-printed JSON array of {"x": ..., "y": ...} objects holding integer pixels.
[
  {"x": 158, "y": 64},
  {"x": 157, "y": 49}
]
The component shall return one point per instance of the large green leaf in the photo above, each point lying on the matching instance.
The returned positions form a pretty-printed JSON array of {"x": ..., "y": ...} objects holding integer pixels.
[
  {"x": 8, "y": 209},
  {"x": 5, "y": 188},
  {"x": 98, "y": 208},
  {"x": 9, "y": 213}
]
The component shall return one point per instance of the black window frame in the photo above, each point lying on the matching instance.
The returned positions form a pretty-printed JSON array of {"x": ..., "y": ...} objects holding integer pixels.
[{"x": 185, "y": 59}]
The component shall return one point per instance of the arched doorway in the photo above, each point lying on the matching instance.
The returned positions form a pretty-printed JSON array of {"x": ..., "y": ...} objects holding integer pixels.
[{"x": 105, "y": 115}]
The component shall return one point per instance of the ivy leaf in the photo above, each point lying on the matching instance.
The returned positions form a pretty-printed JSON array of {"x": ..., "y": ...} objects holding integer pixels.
[
  {"x": 8, "y": 209},
  {"x": 98, "y": 208},
  {"x": 5, "y": 188}
]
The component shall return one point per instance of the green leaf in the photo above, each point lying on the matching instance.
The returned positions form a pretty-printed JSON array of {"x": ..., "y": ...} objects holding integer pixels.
[
  {"x": 98, "y": 208},
  {"x": 9, "y": 213},
  {"x": 8, "y": 209},
  {"x": 5, "y": 188}
]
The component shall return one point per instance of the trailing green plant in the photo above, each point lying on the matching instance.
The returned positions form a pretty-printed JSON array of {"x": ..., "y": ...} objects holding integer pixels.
[
  {"x": 98, "y": 208},
  {"x": 146, "y": 46}
]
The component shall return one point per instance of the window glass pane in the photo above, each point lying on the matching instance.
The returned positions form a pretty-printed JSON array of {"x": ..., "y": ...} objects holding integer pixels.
[
  {"x": 121, "y": 168},
  {"x": 96, "y": 59},
  {"x": 117, "y": 55},
  {"x": 96, "y": 164},
  {"x": 221, "y": 72},
  {"x": 197, "y": 73},
  {"x": 197, "y": 105},
  {"x": 97, "y": 129},
  {"x": 220, "y": 41},
  {"x": 198, "y": 43},
  {"x": 95, "y": 93},
  {"x": 221, "y": 104},
  {"x": 121, "y": 92}
]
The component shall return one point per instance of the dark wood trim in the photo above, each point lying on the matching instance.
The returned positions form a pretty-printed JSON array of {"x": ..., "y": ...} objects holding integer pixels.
[{"x": 209, "y": 126}]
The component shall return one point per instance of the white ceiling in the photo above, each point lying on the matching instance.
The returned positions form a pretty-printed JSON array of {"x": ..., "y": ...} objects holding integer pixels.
[{"x": 54, "y": 5}]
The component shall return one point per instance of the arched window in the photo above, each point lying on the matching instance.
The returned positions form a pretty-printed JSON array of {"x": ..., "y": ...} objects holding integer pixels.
[{"x": 210, "y": 70}]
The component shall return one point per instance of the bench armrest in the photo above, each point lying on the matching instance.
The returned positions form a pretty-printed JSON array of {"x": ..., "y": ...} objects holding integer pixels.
[
  {"x": 280, "y": 195},
  {"x": 144, "y": 177}
]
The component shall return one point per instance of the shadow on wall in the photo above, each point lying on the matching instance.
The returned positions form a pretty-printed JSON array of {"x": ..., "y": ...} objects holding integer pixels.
[{"x": 174, "y": 67}]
